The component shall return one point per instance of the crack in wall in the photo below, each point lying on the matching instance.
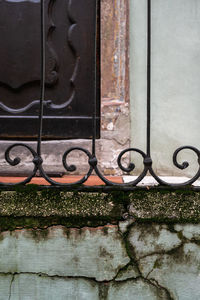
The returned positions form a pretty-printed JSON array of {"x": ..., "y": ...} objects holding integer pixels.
[
  {"x": 124, "y": 268},
  {"x": 155, "y": 283},
  {"x": 55, "y": 276},
  {"x": 162, "y": 252},
  {"x": 131, "y": 252},
  {"x": 103, "y": 285},
  {"x": 103, "y": 291},
  {"x": 10, "y": 288},
  {"x": 161, "y": 290}
]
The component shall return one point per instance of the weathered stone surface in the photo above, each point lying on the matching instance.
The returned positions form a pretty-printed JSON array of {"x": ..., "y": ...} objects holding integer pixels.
[
  {"x": 119, "y": 131},
  {"x": 151, "y": 238},
  {"x": 123, "y": 225},
  {"x": 178, "y": 272},
  {"x": 148, "y": 263},
  {"x": 131, "y": 271},
  {"x": 60, "y": 263},
  {"x": 35, "y": 287},
  {"x": 138, "y": 290},
  {"x": 165, "y": 205},
  {"x": 150, "y": 205},
  {"x": 189, "y": 231},
  {"x": 114, "y": 58},
  {"x": 30, "y": 202},
  {"x": 5, "y": 283},
  {"x": 153, "y": 205},
  {"x": 90, "y": 252}
]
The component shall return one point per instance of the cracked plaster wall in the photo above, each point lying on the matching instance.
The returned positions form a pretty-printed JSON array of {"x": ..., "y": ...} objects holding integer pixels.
[{"x": 129, "y": 260}]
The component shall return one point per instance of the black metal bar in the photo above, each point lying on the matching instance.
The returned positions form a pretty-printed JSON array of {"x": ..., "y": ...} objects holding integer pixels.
[
  {"x": 95, "y": 87},
  {"x": 105, "y": 189},
  {"x": 148, "y": 78},
  {"x": 42, "y": 81}
]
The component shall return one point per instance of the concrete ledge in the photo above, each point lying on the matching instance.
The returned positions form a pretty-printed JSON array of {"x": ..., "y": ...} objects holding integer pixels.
[
  {"x": 29, "y": 207},
  {"x": 165, "y": 205}
]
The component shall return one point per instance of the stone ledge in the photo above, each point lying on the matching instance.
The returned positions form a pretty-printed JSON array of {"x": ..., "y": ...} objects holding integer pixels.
[
  {"x": 46, "y": 203},
  {"x": 165, "y": 205},
  {"x": 28, "y": 207}
]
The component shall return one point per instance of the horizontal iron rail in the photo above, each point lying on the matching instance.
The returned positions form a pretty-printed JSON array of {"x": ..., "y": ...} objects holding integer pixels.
[{"x": 100, "y": 188}]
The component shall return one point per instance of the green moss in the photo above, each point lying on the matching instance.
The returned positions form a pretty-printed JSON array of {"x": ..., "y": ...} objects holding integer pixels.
[
  {"x": 197, "y": 242},
  {"x": 11, "y": 223},
  {"x": 39, "y": 235},
  {"x": 103, "y": 290},
  {"x": 105, "y": 230},
  {"x": 30, "y": 202},
  {"x": 180, "y": 235},
  {"x": 29, "y": 188},
  {"x": 119, "y": 196},
  {"x": 165, "y": 205},
  {"x": 31, "y": 207},
  {"x": 157, "y": 264},
  {"x": 178, "y": 254}
]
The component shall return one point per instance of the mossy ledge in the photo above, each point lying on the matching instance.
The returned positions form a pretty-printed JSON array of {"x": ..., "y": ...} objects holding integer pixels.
[
  {"x": 30, "y": 207},
  {"x": 165, "y": 205}
]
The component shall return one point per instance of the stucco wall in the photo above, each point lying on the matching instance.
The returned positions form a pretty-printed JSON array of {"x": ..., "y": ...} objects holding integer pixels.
[
  {"x": 70, "y": 245},
  {"x": 142, "y": 262},
  {"x": 175, "y": 81}
]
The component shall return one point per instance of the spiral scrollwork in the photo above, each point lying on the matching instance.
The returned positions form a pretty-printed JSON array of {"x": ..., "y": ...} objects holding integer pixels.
[
  {"x": 71, "y": 168},
  {"x": 14, "y": 162},
  {"x": 93, "y": 165},
  {"x": 185, "y": 164},
  {"x": 131, "y": 166},
  {"x": 128, "y": 169},
  {"x": 181, "y": 166}
]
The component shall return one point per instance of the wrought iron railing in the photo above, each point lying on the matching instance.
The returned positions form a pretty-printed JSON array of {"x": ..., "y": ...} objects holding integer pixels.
[{"x": 92, "y": 159}]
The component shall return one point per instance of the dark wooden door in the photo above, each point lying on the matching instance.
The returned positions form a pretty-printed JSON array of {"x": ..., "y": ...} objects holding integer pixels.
[{"x": 70, "y": 68}]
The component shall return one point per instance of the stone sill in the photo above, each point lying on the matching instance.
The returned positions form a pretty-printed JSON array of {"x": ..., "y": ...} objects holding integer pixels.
[
  {"x": 150, "y": 181},
  {"x": 32, "y": 207},
  {"x": 92, "y": 180},
  {"x": 28, "y": 207}
]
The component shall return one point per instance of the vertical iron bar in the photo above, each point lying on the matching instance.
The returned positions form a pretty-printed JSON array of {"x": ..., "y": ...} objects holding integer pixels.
[
  {"x": 42, "y": 70},
  {"x": 95, "y": 85},
  {"x": 149, "y": 78}
]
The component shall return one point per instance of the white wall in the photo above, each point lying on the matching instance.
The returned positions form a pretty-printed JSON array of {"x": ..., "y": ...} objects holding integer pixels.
[{"x": 175, "y": 80}]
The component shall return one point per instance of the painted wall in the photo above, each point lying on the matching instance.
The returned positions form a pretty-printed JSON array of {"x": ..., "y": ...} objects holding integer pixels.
[
  {"x": 105, "y": 263},
  {"x": 72, "y": 245},
  {"x": 175, "y": 80}
]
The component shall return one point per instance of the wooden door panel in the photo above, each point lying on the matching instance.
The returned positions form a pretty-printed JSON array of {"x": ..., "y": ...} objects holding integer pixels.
[{"x": 70, "y": 69}]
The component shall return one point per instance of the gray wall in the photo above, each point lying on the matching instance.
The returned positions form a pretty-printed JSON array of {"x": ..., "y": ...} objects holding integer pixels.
[
  {"x": 175, "y": 80},
  {"x": 108, "y": 262},
  {"x": 142, "y": 245}
]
